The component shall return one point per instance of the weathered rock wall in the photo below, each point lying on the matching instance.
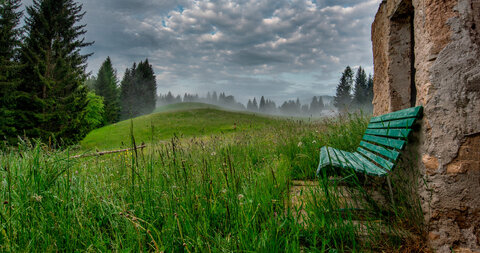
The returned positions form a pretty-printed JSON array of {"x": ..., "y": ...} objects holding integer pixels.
[{"x": 446, "y": 74}]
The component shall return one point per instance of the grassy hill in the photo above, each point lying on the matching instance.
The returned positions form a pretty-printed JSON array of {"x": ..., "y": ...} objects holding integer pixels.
[
  {"x": 182, "y": 120},
  {"x": 185, "y": 106}
]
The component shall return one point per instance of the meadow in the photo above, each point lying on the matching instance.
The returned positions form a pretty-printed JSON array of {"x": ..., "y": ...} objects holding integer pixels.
[{"x": 209, "y": 180}]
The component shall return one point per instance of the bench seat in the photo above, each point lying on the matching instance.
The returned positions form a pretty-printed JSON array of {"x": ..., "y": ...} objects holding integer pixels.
[{"x": 380, "y": 148}]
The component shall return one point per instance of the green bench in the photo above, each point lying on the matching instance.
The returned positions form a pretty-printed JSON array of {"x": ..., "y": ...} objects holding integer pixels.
[{"x": 380, "y": 148}]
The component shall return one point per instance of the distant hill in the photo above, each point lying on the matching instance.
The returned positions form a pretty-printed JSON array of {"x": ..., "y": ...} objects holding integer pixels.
[
  {"x": 183, "y": 119},
  {"x": 185, "y": 106}
]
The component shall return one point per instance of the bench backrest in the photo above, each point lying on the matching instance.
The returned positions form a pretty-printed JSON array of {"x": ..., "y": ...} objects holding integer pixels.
[{"x": 387, "y": 135}]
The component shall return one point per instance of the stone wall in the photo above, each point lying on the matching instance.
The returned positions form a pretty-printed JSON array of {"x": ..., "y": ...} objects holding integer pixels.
[{"x": 441, "y": 71}]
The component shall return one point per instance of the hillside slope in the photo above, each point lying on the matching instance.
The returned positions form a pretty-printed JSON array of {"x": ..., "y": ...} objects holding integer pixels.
[{"x": 182, "y": 120}]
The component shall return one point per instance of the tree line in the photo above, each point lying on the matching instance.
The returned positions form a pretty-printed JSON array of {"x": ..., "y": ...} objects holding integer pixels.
[
  {"x": 291, "y": 107},
  {"x": 45, "y": 92},
  {"x": 134, "y": 96},
  {"x": 354, "y": 93},
  {"x": 221, "y": 99}
]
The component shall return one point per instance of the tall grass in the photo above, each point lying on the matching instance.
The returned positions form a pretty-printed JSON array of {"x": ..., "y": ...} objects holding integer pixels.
[{"x": 224, "y": 192}]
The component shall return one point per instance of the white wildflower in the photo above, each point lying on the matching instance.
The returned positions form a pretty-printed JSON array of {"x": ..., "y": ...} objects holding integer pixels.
[
  {"x": 213, "y": 153},
  {"x": 299, "y": 144},
  {"x": 37, "y": 198}
]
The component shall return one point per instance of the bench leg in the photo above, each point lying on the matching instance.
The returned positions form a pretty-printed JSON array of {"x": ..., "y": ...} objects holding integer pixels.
[{"x": 391, "y": 191}]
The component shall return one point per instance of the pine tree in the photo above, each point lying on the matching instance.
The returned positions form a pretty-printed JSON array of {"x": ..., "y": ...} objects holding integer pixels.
[
  {"x": 148, "y": 86},
  {"x": 262, "y": 104},
  {"x": 370, "y": 89},
  {"x": 314, "y": 105},
  {"x": 106, "y": 87},
  {"x": 305, "y": 109},
  {"x": 250, "y": 105},
  {"x": 9, "y": 66},
  {"x": 320, "y": 104},
  {"x": 255, "y": 105},
  {"x": 138, "y": 91},
  {"x": 52, "y": 98},
  {"x": 214, "y": 97},
  {"x": 127, "y": 99},
  {"x": 343, "y": 98},
  {"x": 361, "y": 89}
]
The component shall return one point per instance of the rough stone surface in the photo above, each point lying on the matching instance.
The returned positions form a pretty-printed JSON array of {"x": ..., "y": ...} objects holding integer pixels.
[
  {"x": 431, "y": 164},
  {"x": 446, "y": 75}
]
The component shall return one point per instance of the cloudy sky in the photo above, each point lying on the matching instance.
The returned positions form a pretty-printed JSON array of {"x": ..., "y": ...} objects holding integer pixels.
[{"x": 282, "y": 49}]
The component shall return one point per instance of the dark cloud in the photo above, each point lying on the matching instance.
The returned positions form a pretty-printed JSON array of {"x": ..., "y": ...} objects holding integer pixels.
[{"x": 278, "y": 48}]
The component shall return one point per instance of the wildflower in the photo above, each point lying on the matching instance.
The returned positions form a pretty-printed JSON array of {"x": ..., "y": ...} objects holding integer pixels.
[
  {"x": 240, "y": 196},
  {"x": 299, "y": 144},
  {"x": 314, "y": 141},
  {"x": 224, "y": 190},
  {"x": 213, "y": 153},
  {"x": 37, "y": 198}
]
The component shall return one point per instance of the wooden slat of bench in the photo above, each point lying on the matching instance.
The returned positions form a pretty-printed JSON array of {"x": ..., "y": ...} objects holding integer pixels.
[
  {"x": 392, "y": 154},
  {"x": 387, "y": 165},
  {"x": 351, "y": 160},
  {"x": 347, "y": 162},
  {"x": 397, "y": 133},
  {"x": 368, "y": 167},
  {"x": 324, "y": 157},
  {"x": 333, "y": 158},
  {"x": 413, "y": 112},
  {"x": 402, "y": 123},
  {"x": 392, "y": 143},
  {"x": 343, "y": 163}
]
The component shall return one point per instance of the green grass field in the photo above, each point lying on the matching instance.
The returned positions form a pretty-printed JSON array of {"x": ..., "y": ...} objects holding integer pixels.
[
  {"x": 181, "y": 120},
  {"x": 199, "y": 186}
]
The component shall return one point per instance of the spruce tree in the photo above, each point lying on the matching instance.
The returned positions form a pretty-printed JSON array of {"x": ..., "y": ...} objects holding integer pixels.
[
  {"x": 147, "y": 87},
  {"x": 343, "y": 98},
  {"x": 250, "y": 105},
  {"x": 106, "y": 87},
  {"x": 320, "y": 104},
  {"x": 52, "y": 98},
  {"x": 314, "y": 105},
  {"x": 370, "y": 89},
  {"x": 214, "y": 97},
  {"x": 9, "y": 66},
  {"x": 262, "y": 104},
  {"x": 138, "y": 91},
  {"x": 255, "y": 105},
  {"x": 127, "y": 99},
  {"x": 361, "y": 89}
]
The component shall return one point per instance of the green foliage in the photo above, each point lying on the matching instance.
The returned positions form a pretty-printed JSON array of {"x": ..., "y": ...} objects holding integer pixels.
[
  {"x": 94, "y": 112},
  {"x": 218, "y": 192},
  {"x": 106, "y": 87},
  {"x": 343, "y": 97},
  {"x": 138, "y": 90},
  {"x": 9, "y": 66},
  {"x": 51, "y": 100}
]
